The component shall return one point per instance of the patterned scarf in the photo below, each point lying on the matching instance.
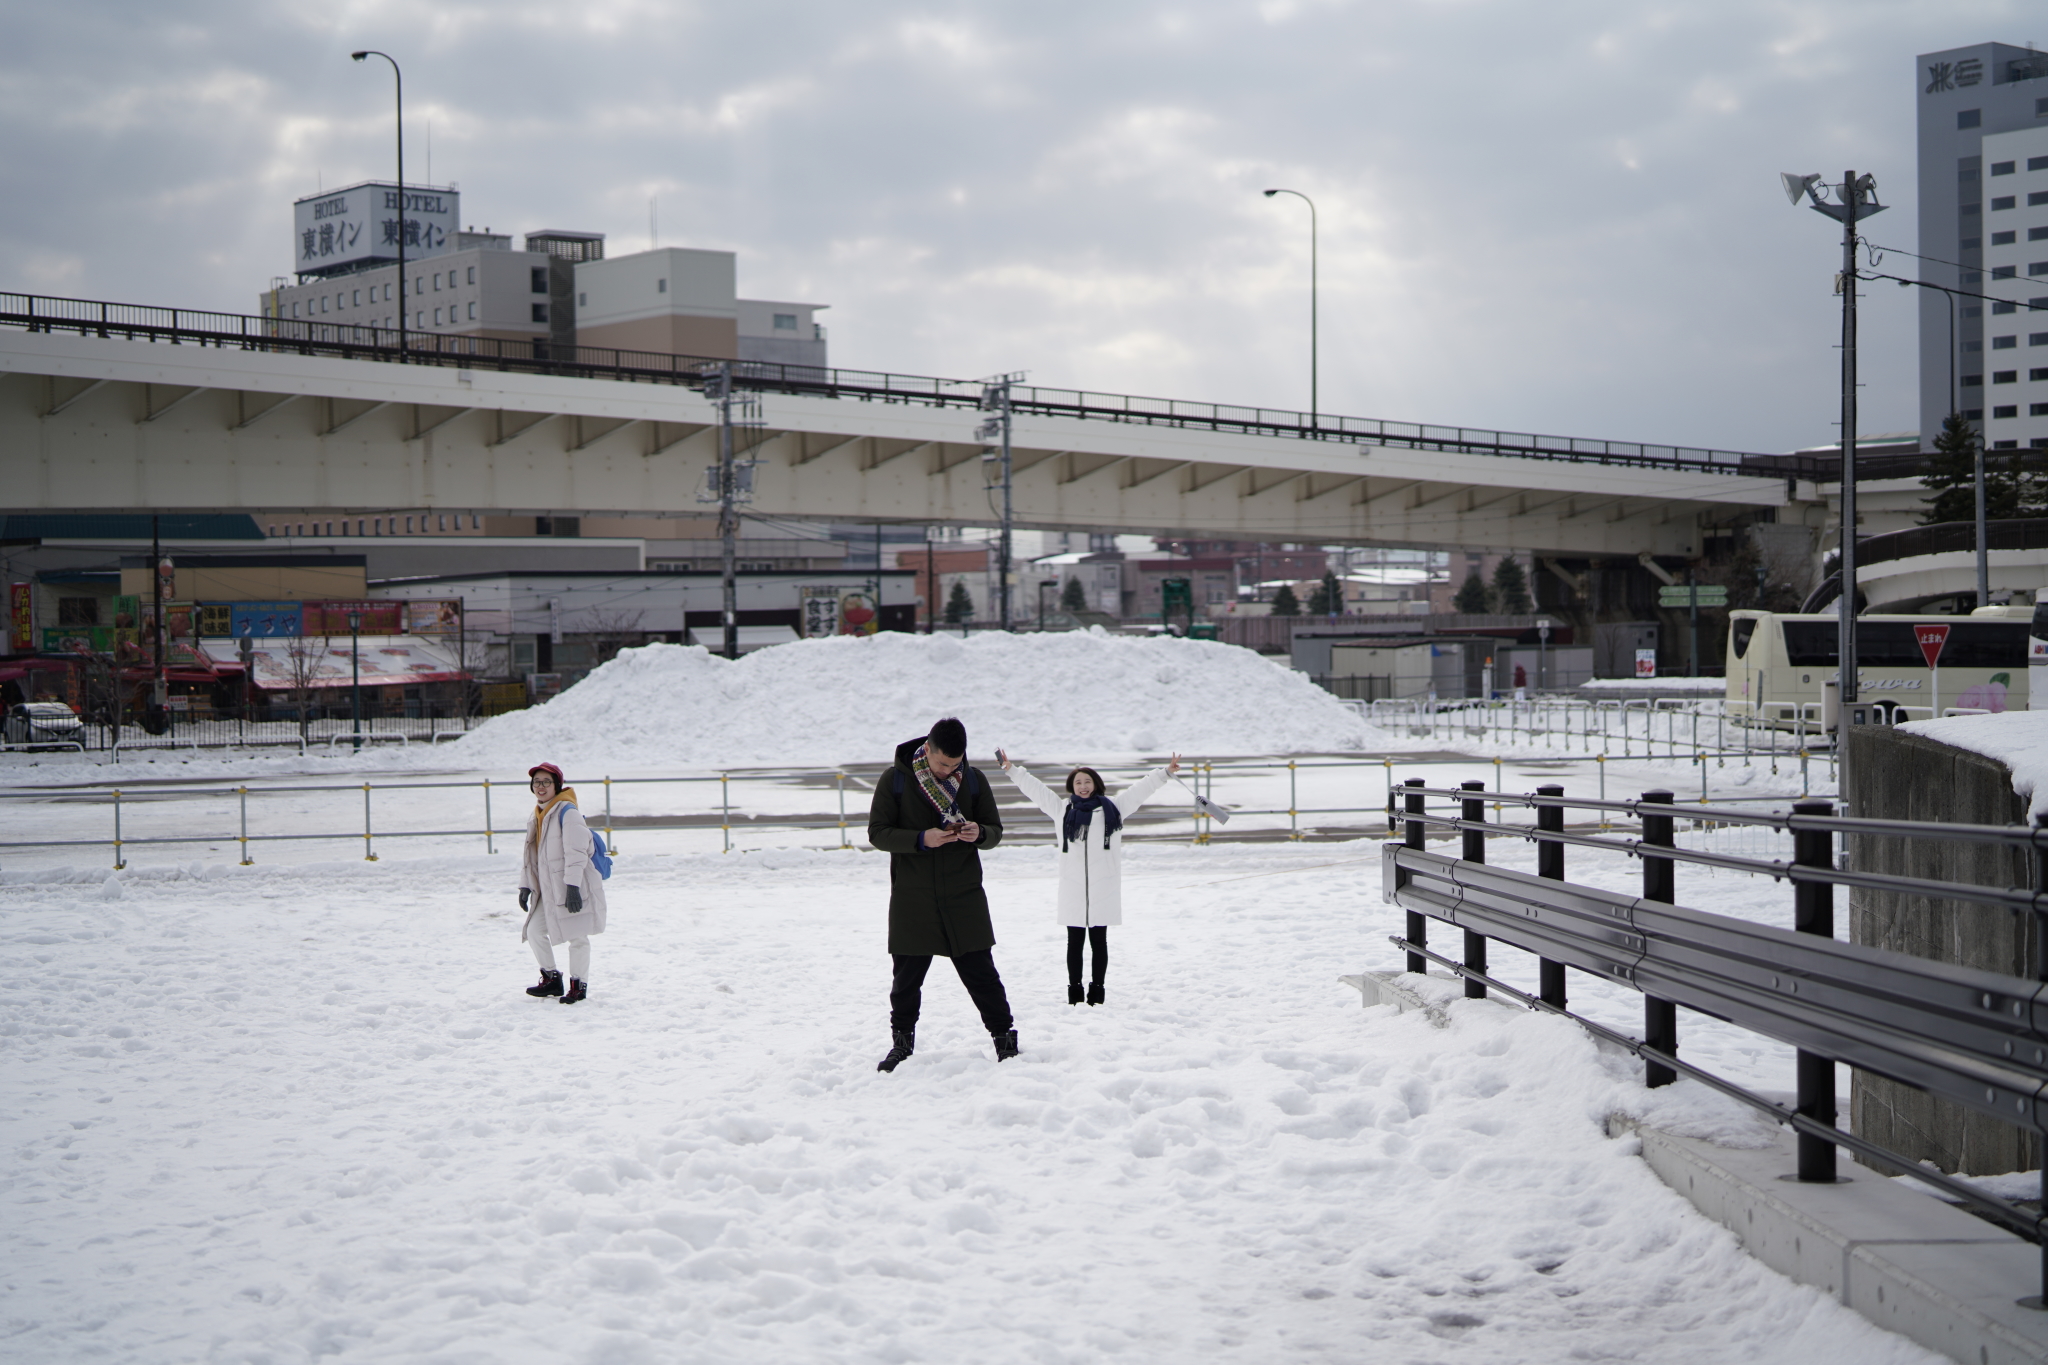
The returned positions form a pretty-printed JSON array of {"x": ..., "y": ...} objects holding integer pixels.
[
  {"x": 544, "y": 809},
  {"x": 942, "y": 792}
]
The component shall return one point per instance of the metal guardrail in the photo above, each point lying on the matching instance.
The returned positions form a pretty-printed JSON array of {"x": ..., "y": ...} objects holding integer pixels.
[
  {"x": 1976, "y": 1038},
  {"x": 182, "y": 326}
]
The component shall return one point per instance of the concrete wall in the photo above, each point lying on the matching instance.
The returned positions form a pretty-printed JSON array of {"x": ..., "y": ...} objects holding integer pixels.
[{"x": 1899, "y": 776}]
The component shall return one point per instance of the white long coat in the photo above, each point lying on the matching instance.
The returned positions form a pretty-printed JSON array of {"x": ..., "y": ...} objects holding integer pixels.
[
  {"x": 562, "y": 858},
  {"x": 1091, "y": 876}
]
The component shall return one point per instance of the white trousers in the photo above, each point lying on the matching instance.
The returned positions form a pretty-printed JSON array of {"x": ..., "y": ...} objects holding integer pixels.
[{"x": 579, "y": 952}]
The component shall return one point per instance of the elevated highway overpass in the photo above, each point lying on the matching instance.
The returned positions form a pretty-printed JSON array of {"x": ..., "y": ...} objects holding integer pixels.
[{"x": 107, "y": 406}]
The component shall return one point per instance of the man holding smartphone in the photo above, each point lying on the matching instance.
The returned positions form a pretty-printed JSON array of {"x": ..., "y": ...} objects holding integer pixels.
[{"x": 932, "y": 814}]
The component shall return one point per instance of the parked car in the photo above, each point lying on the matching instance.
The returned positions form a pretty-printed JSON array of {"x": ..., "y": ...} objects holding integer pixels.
[{"x": 43, "y": 722}]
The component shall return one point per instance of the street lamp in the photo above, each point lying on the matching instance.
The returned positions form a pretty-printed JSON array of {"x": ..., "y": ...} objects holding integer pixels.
[
  {"x": 355, "y": 678},
  {"x": 1314, "y": 398},
  {"x": 1855, "y": 199},
  {"x": 398, "y": 77}
]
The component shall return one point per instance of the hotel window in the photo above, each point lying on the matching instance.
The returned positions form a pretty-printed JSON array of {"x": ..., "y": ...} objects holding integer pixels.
[
  {"x": 785, "y": 322},
  {"x": 2005, "y": 376},
  {"x": 2002, "y": 168},
  {"x": 2004, "y": 343},
  {"x": 2004, "y": 272},
  {"x": 408, "y": 523},
  {"x": 2037, "y": 409},
  {"x": 437, "y": 317},
  {"x": 1996, "y": 309},
  {"x": 540, "y": 279},
  {"x": 437, "y": 281},
  {"x": 1969, "y": 118},
  {"x": 661, "y": 286},
  {"x": 2002, "y": 202},
  {"x": 2005, "y": 445},
  {"x": 583, "y": 300},
  {"x": 2008, "y": 410},
  {"x": 2038, "y": 374},
  {"x": 359, "y": 525},
  {"x": 472, "y": 311},
  {"x": 540, "y": 312},
  {"x": 356, "y": 297},
  {"x": 419, "y": 319},
  {"x": 295, "y": 310},
  {"x": 472, "y": 274},
  {"x": 2037, "y": 163},
  {"x": 2037, "y": 198},
  {"x": 441, "y": 523},
  {"x": 2003, "y": 238}
]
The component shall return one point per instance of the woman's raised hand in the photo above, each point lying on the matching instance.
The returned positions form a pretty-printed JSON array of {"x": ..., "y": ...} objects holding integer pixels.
[
  {"x": 1173, "y": 765},
  {"x": 1003, "y": 759}
]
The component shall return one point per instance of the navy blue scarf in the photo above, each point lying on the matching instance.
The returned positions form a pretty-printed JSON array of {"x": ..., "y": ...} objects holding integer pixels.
[{"x": 1078, "y": 811}]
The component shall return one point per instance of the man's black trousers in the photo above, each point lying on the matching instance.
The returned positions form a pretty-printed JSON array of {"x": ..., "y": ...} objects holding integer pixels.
[{"x": 977, "y": 973}]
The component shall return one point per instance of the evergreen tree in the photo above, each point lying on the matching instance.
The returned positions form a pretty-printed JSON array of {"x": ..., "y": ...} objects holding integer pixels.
[
  {"x": 1073, "y": 597},
  {"x": 1511, "y": 587},
  {"x": 959, "y": 606},
  {"x": 1328, "y": 597},
  {"x": 1473, "y": 599},
  {"x": 1952, "y": 476},
  {"x": 1285, "y": 603}
]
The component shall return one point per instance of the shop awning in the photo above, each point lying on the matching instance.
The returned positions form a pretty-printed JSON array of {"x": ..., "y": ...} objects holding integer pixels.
[{"x": 384, "y": 660}]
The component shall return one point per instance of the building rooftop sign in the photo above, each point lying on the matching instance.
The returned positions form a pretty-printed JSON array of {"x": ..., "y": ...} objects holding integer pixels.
[{"x": 359, "y": 226}]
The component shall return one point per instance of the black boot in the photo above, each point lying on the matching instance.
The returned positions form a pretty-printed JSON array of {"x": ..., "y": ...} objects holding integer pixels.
[
  {"x": 550, "y": 984},
  {"x": 1006, "y": 1044},
  {"x": 905, "y": 1043},
  {"x": 1095, "y": 993},
  {"x": 1073, "y": 992},
  {"x": 576, "y": 992}
]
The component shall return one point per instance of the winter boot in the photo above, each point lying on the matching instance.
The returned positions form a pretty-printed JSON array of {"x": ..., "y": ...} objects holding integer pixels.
[
  {"x": 1095, "y": 996},
  {"x": 576, "y": 992},
  {"x": 904, "y": 1042},
  {"x": 1006, "y": 1044},
  {"x": 550, "y": 984},
  {"x": 1073, "y": 992}
]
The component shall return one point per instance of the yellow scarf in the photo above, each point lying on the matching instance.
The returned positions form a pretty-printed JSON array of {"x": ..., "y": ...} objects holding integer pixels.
[{"x": 546, "y": 808}]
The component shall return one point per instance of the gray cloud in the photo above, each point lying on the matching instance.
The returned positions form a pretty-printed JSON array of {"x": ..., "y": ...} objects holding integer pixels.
[{"x": 1557, "y": 218}]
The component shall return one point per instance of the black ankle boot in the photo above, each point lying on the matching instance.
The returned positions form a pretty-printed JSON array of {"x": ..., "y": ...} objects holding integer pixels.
[
  {"x": 1073, "y": 992},
  {"x": 576, "y": 992},
  {"x": 905, "y": 1043},
  {"x": 1006, "y": 1044},
  {"x": 1095, "y": 996},
  {"x": 550, "y": 984}
]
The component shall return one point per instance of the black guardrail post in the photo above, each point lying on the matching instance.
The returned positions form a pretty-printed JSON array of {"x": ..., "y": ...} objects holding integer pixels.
[
  {"x": 2041, "y": 974},
  {"x": 1418, "y": 923},
  {"x": 1660, "y": 883},
  {"x": 1474, "y": 851},
  {"x": 1550, "y": 863},
  {"x": 1813, "y": 912}
]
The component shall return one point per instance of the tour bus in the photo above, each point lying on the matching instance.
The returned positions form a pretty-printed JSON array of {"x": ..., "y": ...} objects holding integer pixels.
[
  {"x": 1777, "y": 662},
  {"x": 2037, "y": 652}
]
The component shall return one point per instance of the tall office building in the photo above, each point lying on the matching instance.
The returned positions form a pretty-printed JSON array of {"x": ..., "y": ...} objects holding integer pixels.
[{"x": 1983, "y": 163}]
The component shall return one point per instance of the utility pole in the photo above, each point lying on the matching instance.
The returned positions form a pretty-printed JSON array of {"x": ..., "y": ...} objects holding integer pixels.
[
  {"x": 1856, "y": 198},
  {"x": 995, "y": 398},
  {"x": 729, "y": 483}
]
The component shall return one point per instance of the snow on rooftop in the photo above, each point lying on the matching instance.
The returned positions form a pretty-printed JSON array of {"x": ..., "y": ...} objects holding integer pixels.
[{"x": 846, "y": 699}]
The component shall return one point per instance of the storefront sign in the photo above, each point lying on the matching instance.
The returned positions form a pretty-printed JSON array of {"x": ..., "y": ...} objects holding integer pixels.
[
  {"x": 265, "y": 620},
  {"x": 21, "y": 637},
  {"x": 434, "y": 617}
]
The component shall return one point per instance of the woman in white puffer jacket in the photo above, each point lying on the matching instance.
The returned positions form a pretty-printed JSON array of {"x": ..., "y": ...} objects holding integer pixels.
[
  {"x": 560, "y": 889},
  {"x": 1089, "y": 823}
]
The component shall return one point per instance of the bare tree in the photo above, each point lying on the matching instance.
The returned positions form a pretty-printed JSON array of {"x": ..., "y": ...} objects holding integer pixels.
[
  {"x": 610, "y": 631},
  {"x": 302, "y": 662}
]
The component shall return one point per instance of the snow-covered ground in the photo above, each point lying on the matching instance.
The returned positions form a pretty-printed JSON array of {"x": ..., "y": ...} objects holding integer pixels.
[{"x": 298, "y": 1112}]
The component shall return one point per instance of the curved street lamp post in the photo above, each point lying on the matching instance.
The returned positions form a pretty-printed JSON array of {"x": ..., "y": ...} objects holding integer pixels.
[
  {"x": 398, "y": 77},
  {"x": 1314, "y": 397}
]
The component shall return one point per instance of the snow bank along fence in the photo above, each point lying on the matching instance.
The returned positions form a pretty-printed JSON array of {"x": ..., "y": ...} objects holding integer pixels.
[
  {"x": 1975, "y": 1038},
  {"x": 729, "y": 815}
]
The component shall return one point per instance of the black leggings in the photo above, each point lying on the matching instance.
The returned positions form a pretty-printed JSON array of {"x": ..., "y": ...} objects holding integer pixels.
[{"x": 1096, "y": 934}]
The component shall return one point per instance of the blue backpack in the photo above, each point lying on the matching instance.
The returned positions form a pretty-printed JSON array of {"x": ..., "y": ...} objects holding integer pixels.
[{"x": 600, "y": 858}]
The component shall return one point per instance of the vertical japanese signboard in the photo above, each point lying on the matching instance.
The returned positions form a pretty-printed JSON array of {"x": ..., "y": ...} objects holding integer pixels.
[{"x": 21, "y": 636}]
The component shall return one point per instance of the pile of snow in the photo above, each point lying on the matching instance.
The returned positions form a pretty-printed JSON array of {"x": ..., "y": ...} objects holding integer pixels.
[
  {"x": 1653, "y": 687},
  {"x": 2018, "y": 739},
  {"x": 1073, "y": 696}
]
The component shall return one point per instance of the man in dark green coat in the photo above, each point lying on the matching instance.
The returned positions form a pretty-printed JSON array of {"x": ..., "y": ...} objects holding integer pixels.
[{"x": 932, "y": 813}]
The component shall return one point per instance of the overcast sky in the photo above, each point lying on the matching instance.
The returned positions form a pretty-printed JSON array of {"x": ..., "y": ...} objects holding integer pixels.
[{"x": 1554, "y": 216}]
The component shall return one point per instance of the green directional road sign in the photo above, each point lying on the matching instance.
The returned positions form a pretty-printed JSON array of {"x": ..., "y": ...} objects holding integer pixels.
[{"x": 1680, "y": 595}]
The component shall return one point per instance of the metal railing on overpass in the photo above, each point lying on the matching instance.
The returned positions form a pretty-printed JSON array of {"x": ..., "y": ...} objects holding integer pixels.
[
  {"x": 299, "y": 336},
  {"x": 1943, "y": 537},
  {"x": 1975, "y": 1038}
]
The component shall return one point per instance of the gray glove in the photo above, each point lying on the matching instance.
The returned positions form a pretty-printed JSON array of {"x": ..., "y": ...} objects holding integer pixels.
[
  {"x": 525, "y": 895},
  {"x": 575, "y": 899}
]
